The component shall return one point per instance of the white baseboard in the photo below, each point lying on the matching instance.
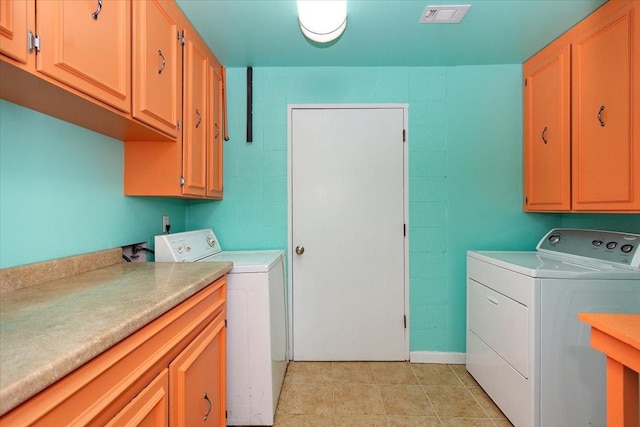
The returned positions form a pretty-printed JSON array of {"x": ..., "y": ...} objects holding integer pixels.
[{"x": 437, "y": 357}]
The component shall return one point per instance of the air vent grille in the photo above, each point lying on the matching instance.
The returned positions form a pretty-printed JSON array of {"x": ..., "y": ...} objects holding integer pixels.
[{"x": 444, "y": 14}]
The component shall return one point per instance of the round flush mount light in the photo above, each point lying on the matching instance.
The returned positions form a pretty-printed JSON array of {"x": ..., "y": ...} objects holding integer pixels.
[{"x": 322, "y": 21}]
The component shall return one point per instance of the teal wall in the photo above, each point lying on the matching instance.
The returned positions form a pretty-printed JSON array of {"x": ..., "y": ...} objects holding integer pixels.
[
  {"x": 465, "y": 173},
  {"x": 61, "y": 191},
  {"x": 61, "y": 185}
]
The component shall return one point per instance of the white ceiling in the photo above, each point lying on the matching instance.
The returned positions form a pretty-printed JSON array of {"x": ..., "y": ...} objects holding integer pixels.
[{"x": 265, "y": 33}]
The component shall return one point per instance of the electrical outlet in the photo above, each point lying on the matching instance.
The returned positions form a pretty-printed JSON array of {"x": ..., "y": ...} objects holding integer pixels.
[
  {"x": 135, "y": 252},
  {"x": 165, "y": 223}
]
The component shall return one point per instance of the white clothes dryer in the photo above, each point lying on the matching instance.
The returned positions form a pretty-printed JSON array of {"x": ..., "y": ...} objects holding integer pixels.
[
  {"x": 525, "y": 346},
  {"x": 256, "y": 321}
]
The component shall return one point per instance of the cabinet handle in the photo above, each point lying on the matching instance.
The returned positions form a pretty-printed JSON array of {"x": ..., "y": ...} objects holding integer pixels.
[
  {"x": 208, "y": 406},
  {"x": 163, "y": 62},
  {"x": 95, "y": 14},
  {"x": 492, "y": 301},
  {"x": 600, "y": 115},
  {"x": 543, "y": 132},
  {"x": 217, "y": 131},
  {"x": 199, "y": 118}
]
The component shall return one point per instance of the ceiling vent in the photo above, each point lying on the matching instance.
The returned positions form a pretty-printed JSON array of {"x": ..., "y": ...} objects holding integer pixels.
[{"x": 444, "y": 14}]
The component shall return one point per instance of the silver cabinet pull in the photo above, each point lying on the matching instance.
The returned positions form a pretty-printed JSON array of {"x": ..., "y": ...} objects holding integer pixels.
[
  {"x": 299, "y": 250},
  {"x": 600, "y": 115},
  {"x": 163, "y": 62},
  {"x": 208, "y": 408},
  {"x": 199, "y": 118},
  {"x": 95, "y": 14},
  {"x": 543, "y": 132}
]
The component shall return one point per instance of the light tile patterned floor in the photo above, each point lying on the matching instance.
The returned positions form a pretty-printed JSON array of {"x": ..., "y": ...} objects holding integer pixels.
[{"x": 385, "y": 394}]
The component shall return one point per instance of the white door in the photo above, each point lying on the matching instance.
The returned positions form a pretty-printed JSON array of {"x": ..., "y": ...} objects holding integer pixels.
[{"x": 347, "y": 212}]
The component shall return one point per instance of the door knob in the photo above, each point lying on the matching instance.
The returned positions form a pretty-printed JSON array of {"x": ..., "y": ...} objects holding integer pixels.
[{"x": 299, "y": 250}]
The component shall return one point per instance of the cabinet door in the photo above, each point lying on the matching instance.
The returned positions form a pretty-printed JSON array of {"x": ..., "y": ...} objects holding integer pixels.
[
  {"x": 150, "y": 408},
  {"x": 86, "y": 44},
  {"x": 156, "y": 66},
  {"x": 214, "y": 155},
  {"x": 547, "y": 163},
  {"x": 16, "y": 19},
  {"x": 197, "y": 379},
  {"x": 195, "y": 119},
  {"x": 605, "y": 150}
]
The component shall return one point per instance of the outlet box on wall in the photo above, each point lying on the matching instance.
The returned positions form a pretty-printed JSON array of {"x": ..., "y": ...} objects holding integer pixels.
[{"x": 135, "y": 252}]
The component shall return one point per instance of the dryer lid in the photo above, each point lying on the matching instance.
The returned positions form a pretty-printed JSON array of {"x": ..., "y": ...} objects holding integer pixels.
[{"x": 541, "y": 265}]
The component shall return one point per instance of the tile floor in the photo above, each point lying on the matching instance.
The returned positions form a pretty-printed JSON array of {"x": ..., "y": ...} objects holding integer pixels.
[{"x": 388, "y": 394}]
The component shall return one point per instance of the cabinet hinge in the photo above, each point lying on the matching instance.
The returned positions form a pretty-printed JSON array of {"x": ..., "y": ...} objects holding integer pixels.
[
  {"x": 404, "y": 135},
  {"x": 181, "y": 37},
  {"x": 33, "y": 42},
  {"x": 404, "y": 229},
  {"x": 181, "y": 181},
  {"x": 405, "y": 321},
  {"x": 225, "y": 323},
  {"x": 179, "y": 125},
  {"x": 525, "y": 82}
]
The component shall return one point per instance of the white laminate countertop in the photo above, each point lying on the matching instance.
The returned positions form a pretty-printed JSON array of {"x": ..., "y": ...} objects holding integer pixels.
[{"x": 49, "y": 330}]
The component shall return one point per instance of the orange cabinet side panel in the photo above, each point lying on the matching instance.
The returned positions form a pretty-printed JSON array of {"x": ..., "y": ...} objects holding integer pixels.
[
  {"x": 152, "y": 168},
  {"x": 88, "y": 47}
]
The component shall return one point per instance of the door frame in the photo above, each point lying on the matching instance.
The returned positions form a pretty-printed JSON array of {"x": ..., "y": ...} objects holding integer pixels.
[{"x": 405, "y": 179}]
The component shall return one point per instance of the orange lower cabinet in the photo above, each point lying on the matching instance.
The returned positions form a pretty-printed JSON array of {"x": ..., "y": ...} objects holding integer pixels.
[
  {"x": 169, "y": 372},
  {"x": 197, "y": 379},
  {"x": 149, "y": 408}
]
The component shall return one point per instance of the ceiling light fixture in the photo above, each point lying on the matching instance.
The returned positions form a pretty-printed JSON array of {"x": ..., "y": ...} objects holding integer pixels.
[{"x": 322, "y": 21}]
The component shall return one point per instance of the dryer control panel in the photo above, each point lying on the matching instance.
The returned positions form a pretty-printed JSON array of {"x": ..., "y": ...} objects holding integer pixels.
[{"x": 620, "y": 249}]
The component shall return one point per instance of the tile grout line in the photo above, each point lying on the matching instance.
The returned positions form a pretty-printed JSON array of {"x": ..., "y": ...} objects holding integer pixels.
[{"x": 425, "y": 395}]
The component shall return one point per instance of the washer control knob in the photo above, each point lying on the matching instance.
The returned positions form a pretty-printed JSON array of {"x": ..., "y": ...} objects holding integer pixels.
[
  {"x": 626, "y": 248},
  {"x": 612, "y": 245},
  {"x": 597, "y": 243},
  {"x": 554, "y": 238}
]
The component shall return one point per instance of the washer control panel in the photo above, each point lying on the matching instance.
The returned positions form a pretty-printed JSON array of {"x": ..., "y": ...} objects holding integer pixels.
[
  {"x": 189, "y": 246},
  {"x": 621, "y": 249}
]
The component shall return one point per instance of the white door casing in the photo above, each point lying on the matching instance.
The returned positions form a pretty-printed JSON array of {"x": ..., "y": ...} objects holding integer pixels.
[{"x": 348, "y": 290}]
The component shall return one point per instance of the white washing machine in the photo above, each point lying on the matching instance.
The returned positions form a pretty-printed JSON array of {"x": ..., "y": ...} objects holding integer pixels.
[
  {"x": 525, "y": 346},
  {"x": 256, "y": 321}
]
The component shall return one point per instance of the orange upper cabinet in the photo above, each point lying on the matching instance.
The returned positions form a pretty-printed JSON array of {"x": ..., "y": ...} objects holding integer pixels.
[
  {"x": 86, "y": 44},
  {"x": 190, "y": 167},
  {"x": 214, "y": 149},
  {"x": 157, "y": 67},
  {"x": 547, "y": 166},
  {"x": 196, "y": 113},
  {"x": 606, "y": 125},
  {"x": 16, "y": 19},
  {"x": 582, "y": 139}
]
